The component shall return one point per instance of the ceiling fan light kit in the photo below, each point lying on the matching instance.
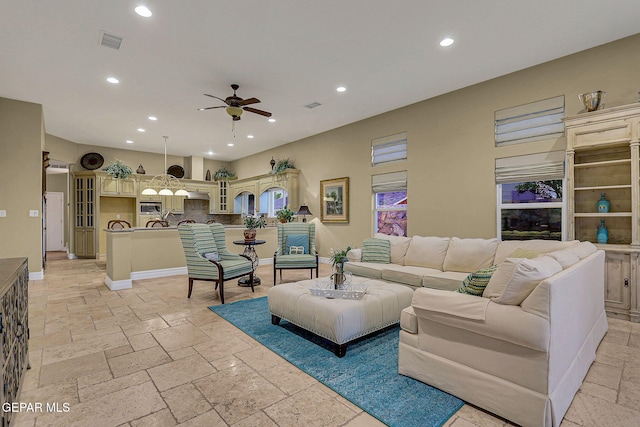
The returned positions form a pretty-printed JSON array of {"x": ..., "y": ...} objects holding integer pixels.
[{"x": 234, "y": 105}]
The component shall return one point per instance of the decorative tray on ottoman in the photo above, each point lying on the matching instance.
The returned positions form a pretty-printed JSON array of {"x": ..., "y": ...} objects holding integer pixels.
[{"x": 324, "y": 288}]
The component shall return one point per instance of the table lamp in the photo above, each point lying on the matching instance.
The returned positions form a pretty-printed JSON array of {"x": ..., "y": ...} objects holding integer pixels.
[{"x": 304, "y": 211}]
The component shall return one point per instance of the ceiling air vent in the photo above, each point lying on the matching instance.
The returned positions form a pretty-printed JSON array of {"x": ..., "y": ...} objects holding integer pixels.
[
  {"x": 312, "y": 105},
  {"x": 110, "y": 40}
]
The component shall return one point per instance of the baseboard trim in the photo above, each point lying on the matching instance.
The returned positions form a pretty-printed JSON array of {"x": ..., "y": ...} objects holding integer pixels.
[
  {"x": 163, "y": 272},
  {"x": 36, "y": 275},
  {"x": 116, "y": 285}
]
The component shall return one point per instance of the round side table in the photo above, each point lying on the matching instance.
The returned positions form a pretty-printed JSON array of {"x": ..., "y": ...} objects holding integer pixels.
[{"x": 250, "y": 251}]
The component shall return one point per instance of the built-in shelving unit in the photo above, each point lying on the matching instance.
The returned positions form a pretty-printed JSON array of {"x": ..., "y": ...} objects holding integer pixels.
[{"x": 603, "y": 158}]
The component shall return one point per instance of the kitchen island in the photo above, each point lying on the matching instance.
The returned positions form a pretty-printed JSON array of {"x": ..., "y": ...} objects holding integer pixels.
[{"x": 145, "y": 253}]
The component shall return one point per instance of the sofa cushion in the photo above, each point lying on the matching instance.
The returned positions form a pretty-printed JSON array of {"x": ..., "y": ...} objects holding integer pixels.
[
  {"x": 446, "y": 280},
  {"x": 475, "y": 282},
  {"x": 297, "y": 240},
  {"x": 407, "y": 274},
  {"x": 566, "y": 257},
  {"x": 427, "y": 252},
  {"x": 449, "y": 303},
  {"x": 365, "y": 269},
  {"x": 399, "y": 246},
  {"x": 515, "y": 278},
  {"x": 469, "y": 255},
  {"x": 507, "y": 247},
  {"x": 524, "y": 253},
  {"x": 376, "y": 250}
]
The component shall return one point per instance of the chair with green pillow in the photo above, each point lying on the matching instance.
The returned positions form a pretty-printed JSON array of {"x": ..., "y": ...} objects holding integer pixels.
[
  {"x": 208, "y": 258},
  {"x": 296, "y": 248}
]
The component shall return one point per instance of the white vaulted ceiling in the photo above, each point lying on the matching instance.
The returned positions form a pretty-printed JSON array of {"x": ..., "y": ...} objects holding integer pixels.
[{"x": 287, "y": 53}]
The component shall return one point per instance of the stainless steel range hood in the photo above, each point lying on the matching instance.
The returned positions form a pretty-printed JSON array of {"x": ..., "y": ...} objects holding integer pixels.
[{"x": 198, "y": 195}]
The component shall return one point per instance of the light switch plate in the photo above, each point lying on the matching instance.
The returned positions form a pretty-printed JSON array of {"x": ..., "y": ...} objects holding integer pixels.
[
  {"x": 33, "y": 212},
  {"x": 3, "y": 213}
]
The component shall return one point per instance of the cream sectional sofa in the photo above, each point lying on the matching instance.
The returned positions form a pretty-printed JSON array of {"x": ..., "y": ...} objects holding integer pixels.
[
  {"x": 441, "y": 262},
  {"x": 519, "y": 354}
]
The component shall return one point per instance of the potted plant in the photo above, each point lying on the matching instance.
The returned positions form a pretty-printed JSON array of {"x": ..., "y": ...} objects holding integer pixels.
[
  {"x": 223, "y": 174},
  {"x": 282, "y": 165},
  {"x": 118, "y": 169},
  {"x": 285, "y": 215},
  {"x": 252, "y": 222}
]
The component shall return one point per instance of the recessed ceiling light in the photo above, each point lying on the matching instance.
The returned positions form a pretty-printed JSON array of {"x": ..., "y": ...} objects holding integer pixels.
[
  {"x": 271, "y": 120},
  {"x": 113, "y": 80},
  {"x": 446, "y": 42},
  {"x": 153, "y": 118},
  {"x": 341, "y": 88},
  {"x": 128, "y": 141},
  {"x": 211, "y": 153},
  {"x": 143, "y": 11},
  {"x": 249, "y": 136},
  {"x": 230, "y": 144},
  {"x": 141, "y": 130}
]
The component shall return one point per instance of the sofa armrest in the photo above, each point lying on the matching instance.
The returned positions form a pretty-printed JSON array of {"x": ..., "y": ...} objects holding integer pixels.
[
  {"x": 355, "y": 255},
  {"x": 503, "y": 322},
  {"x": 451, "y": 303}
]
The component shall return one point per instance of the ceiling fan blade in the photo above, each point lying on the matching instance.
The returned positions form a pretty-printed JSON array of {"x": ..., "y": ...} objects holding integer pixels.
[
  {"x": 212, "y": 96},
  {"x": 255, "y": 110},
  {"x": 250, "y": 101},
  {"x": 209, "y": 108}
]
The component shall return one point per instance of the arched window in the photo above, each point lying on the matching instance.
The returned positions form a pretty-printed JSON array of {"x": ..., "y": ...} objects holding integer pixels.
[{"x": 273, "y": 199}]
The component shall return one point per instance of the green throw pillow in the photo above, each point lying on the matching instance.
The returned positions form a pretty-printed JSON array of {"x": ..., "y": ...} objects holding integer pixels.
[
  {"x": 376, "y": 250},
  {"x": 475, "y": 282}
]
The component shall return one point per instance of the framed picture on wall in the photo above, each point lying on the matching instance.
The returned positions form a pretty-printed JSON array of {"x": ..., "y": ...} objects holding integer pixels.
[{"x": 334, "y": 194}]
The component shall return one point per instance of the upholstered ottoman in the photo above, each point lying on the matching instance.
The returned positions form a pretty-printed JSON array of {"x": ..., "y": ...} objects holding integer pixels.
[{"x": 339, "y": 320}]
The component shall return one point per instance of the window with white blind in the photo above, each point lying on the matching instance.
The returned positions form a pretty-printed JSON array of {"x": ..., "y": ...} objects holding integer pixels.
[
  {"x": 530, "y": 122},
  {"x": 390, "y": 203},
  {"x": 389, "y": 149},
  {"x": 530, "y": 199}
]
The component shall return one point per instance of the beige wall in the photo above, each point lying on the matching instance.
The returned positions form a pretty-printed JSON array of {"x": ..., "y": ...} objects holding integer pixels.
[
  {"x": 21, "y": 144},
  {"x": 451, "y": 148}
]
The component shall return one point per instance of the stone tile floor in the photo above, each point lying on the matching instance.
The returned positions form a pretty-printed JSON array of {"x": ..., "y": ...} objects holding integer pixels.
[{"x": 148, "y": 356}]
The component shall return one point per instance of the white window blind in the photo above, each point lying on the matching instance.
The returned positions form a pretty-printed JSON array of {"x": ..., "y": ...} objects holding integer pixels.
[
  {"x": 530, "y": 122},
  {"x": 389, "y": 148},
  {"x": 531, "y": 167},
  {"x": 388, "y": 182}
]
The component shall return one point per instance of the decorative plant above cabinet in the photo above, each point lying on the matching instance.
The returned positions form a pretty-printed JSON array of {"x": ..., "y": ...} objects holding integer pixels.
[
  {"x": 282, "y": 165},
  {"x": 118, "y": 169},
  {"x": 223, "y": 174}
]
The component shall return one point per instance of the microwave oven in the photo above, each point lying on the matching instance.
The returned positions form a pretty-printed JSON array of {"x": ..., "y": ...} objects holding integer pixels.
[{"x": 150, "y": 208}]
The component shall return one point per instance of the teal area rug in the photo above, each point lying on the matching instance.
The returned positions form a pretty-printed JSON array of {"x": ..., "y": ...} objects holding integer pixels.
[{"x": 366, "y": 376}]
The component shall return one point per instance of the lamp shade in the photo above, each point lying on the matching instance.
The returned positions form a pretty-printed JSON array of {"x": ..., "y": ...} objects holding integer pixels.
[
  {"x": 149, "y": 192},
  {"x": 165, "y": 192},
  {"x": 182, "y": 192},
  {"x": 304, "y": 210}
]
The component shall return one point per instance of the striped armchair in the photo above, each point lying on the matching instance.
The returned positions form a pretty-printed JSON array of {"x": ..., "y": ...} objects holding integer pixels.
[
  {"x": 289, "y": 235},
  {"x": 208, "y": 258}
]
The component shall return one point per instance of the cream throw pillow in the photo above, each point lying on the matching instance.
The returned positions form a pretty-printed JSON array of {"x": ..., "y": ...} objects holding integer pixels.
[
  {"x": 516, "y": 278},
  {"x": 566, "y": 257}
]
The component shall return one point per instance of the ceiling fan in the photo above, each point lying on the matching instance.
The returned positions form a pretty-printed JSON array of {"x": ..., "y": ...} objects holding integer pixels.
[{"x": 235, "y": 105}]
